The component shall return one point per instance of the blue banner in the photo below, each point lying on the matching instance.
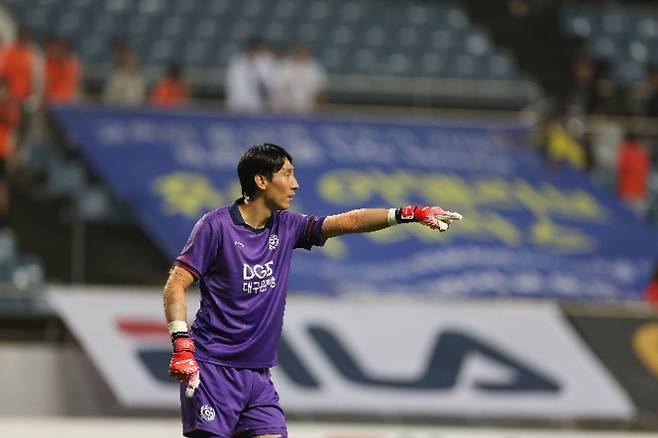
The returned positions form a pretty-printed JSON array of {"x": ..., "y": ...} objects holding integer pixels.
[{"x": 528, "y": 230}]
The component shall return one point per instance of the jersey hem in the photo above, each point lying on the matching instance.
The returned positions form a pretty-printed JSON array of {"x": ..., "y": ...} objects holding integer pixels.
[{"x": 232, "y": 364}]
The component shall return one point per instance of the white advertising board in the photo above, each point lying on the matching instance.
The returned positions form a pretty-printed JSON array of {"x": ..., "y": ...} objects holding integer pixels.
[{"x": 383, "y": 356}]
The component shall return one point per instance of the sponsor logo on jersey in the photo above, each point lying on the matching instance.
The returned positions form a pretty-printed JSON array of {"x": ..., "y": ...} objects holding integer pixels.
[{"x": 257, "y": 278}]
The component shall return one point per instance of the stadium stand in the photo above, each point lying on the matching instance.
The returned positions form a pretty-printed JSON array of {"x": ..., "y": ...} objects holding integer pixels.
[
  {"x": 405, "y": 40},
  {"x": 623, "y": 36},
  {"x": 527, "y": 313}
]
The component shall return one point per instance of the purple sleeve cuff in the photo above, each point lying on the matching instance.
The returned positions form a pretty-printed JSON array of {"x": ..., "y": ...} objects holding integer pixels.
[
  {"x": 180, "y": 261},
  {"x": 312, "y": 235}
]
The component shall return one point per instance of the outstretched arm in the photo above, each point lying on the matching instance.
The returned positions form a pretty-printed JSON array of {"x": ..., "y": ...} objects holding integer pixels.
[{"x": 366, "y": 220}]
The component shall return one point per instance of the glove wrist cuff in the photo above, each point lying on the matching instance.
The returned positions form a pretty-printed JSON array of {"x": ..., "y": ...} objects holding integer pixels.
[
  {"x": 182, "y": 343},
  {"x": 179, "y": 335},
  {"x": 405, "y": 214}
]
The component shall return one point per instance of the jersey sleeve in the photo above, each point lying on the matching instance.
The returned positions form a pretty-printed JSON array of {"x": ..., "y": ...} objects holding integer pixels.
[
  {"x": 201, "y": 248},
  {"x": 307, "y": 229}
]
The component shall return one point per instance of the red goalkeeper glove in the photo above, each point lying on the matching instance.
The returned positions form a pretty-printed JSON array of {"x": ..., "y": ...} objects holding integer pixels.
[
  {"x": 434, "y": 217},
  {"x": 183, "y": 367}
]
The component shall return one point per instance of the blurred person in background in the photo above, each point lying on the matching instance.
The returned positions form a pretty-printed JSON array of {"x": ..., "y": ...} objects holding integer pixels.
[
  {"x": 171, "y": 90},
  {"x": 126, "y": 86},
  {"x": 557, "y": 146},
  {"x": 651, "y": 292},
  {"x": 120, "y": 48},
  {"x": 303, "y": 81},
  {"x": 62, "y": 71},
  {"x": 606, "y": 136},
  {"x": 583, "y": 95},
  {"x": 21, "y": 68},
  {"x": 251, "y": 79},
  {"x": 9, "y": 120},
  {"x": 633, "y": 168},
  {"x": 652, "y": 103}
]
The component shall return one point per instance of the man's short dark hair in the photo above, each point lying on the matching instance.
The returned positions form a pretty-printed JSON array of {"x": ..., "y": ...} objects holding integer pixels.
[{"x": 264, "y": 159}]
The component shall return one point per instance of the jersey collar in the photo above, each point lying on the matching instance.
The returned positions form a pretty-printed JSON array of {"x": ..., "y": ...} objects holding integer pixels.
[{"x": 237, "y": 218}]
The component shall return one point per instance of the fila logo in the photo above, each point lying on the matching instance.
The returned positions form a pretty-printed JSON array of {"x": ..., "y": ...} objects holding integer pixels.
[{"x": 441, "y": 373}]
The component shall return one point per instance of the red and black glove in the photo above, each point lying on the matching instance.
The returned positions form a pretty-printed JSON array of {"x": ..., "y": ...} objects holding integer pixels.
[
  {"x": 434, "y": 217},
  {"x": 183, "y": 367}
]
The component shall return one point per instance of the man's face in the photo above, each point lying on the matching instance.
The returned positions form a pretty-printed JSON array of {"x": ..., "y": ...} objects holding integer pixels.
[{"x": 280, "y": 190}]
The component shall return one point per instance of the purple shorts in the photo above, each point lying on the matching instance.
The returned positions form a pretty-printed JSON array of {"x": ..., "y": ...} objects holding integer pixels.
[{"x": 233, "y": 401}]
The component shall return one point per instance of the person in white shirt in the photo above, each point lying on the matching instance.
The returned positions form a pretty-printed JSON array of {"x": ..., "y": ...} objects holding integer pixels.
[
  {"x": 126, "y": 86},
  {"x": 250, "y": 80},
  {"x": 304, "y": 81}
]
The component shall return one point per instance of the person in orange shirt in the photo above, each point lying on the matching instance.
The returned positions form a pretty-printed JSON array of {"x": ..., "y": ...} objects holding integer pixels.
[
  {"x": 633, "y": 168},
  {"x": 170, "y": 91},
  {"x": 18, "y": 67},
  {"x": 62, "y": 71},
  {"x": 9, "y": 119}
]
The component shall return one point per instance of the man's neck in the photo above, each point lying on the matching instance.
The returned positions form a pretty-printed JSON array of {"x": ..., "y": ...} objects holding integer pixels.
[{"x": 255, "y": 213}]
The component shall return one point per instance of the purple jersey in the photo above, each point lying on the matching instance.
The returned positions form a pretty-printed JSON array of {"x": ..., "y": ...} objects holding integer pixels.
[{"x": 243, "y": 276}]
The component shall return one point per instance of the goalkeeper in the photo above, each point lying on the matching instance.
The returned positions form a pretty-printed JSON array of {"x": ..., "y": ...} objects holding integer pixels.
[{"x": 240, "y": 255}]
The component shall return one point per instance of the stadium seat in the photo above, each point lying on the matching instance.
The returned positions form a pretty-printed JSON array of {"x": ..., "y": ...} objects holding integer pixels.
[
  {"x": 374, "y": 36},
  {"x": 69, "y": 23},
  {"x": 409, "y": 36},
  {"x": 647, "y": 28},
  {"x": 637, "y": 50},
  {"x": 65, "y": 178},
  {"x": 397, "y": 63},
  {"x": 94, "y": 203},
  {"x": 443, "y": 39},
  {"x": 615, "y": 22},
  {"x": 41, "y": 158},
  {"x": 605, "y": 47},
  {"x": 352, "y": 12},
  {"x": 501, "y": 66},
  {"x": 628, "y": 71},
  {"x": 333, "y": 60},
  {"x": 8, "y": 252},
  {"x": 477, "y": 43},
  {"x": 581, "y": 23},
  {"x": 432, "y": 64},
  {"x": 341, "y": 35},
  {"x": 27, "y": 273}
]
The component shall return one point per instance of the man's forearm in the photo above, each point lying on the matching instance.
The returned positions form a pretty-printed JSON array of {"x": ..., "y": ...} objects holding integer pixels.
[
  {"x": 174, "y": 294},
  {"x": 363, "y": 220}
]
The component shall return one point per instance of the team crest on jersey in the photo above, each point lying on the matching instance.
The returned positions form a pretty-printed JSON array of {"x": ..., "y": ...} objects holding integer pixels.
[
  {"x": 273, "y": 241},
  {"x": 207, "y": 413}
]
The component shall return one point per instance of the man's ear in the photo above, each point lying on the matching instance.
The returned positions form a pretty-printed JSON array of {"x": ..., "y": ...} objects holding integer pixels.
[{"x": 261, "y": 181}]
